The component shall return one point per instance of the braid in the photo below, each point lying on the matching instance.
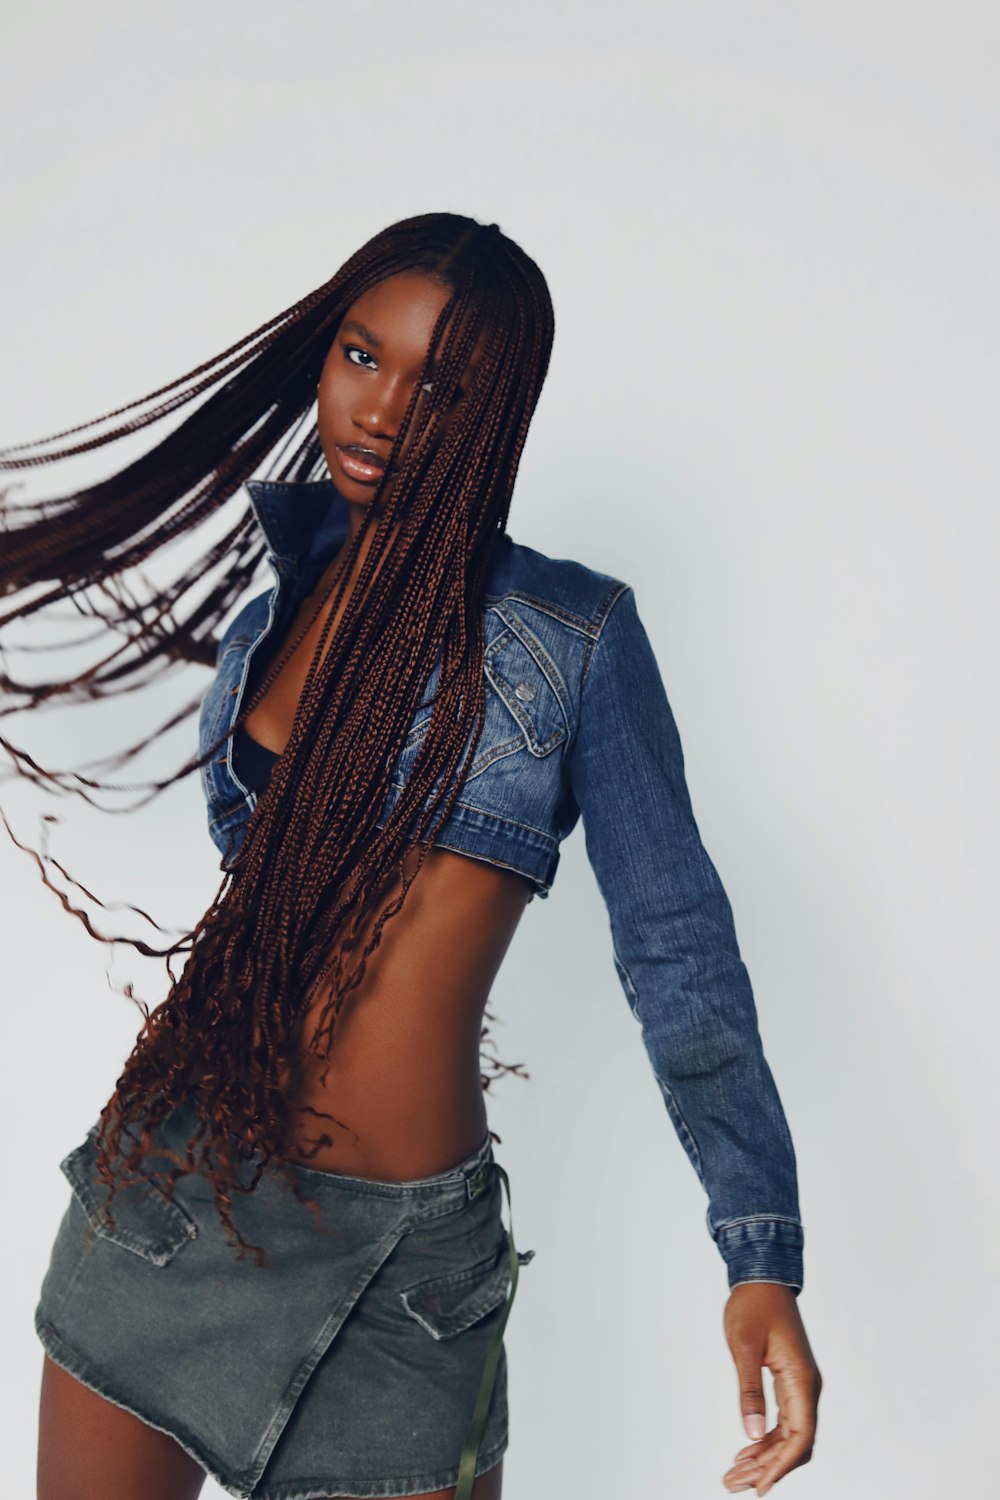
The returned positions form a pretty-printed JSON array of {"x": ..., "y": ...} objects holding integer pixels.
[{"x": 289, "y": 916}]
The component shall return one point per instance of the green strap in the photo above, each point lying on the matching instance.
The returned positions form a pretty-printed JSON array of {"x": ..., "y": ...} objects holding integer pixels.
[{"x": 470, "y": 1453}]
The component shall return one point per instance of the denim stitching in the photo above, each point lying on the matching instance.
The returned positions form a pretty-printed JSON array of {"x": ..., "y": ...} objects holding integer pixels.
[
  {"x": 544, "y": 661},
  {"x": 322, "y": 1342},
  {"x": 407, "y": 1484},
  {"x": 65, "y": 1356},
  {"x": 758, "y": 1219}
]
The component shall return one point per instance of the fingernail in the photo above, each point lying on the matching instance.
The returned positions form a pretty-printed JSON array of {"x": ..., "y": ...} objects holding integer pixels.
[{"x": 754, "y": 1424}]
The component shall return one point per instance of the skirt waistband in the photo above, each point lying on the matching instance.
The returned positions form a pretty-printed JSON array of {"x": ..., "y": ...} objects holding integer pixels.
[
  {"x": 468, "y": 1178},
  {"x": 472, "y": 1172}
]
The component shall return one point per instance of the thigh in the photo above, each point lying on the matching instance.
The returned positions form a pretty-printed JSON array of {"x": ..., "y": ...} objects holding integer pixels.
[{"x": 90, "y": 1449}]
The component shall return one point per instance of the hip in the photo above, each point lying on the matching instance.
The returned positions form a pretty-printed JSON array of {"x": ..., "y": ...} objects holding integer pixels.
[{"x": 367, "y": 1347}]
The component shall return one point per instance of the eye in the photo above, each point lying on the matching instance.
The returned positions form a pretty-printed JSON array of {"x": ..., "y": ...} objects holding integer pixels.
[{"x": 350, "y": 349}]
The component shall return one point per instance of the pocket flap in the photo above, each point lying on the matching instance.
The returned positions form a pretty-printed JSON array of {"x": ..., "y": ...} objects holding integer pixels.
[
  {"x": 446, "y": 1305},
  {"x": 527, "y": 691},
  {"x": 146, "y": 1221}
]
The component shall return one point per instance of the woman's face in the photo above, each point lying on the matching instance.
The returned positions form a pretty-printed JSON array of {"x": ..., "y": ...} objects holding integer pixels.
[{"x": 368, "y": 378}]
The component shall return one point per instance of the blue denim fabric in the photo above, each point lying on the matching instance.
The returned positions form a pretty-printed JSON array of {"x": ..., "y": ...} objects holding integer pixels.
[{"x": 578, "y": 724}]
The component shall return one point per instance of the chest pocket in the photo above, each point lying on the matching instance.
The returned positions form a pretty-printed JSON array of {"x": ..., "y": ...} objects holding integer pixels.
[
  {"x": 526, "y": 703},
  {"x": 528, "y": 686}
]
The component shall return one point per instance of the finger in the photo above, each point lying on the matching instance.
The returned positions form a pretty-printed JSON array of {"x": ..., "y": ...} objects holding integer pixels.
[
  {"x": 759, "y": 1474},
  {"x": 746, "y": 1473},
  {"x": 748, "y": 1359},
  {"x": 796, "y": 1429},
  {"x": 754, "y": 1450},
  {"x": 748, "y": 1466},
  {"x": 790, "y": 1456},
  {"x": 784, "y": 1448}
]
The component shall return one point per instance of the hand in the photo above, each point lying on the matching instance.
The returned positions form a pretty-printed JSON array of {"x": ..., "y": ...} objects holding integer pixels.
[{"x": 763, "y": 1327}]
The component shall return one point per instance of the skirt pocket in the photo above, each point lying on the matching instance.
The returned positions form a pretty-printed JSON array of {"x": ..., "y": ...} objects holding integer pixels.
[
  {"x": 448, "y": 1305},
  {"x": 147, "y": 1221}
]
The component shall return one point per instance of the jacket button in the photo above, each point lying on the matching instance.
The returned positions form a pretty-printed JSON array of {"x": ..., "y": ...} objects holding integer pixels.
[{"x": 524, "y": 691}]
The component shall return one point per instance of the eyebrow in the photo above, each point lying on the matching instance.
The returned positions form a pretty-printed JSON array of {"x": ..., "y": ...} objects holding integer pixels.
[{"x": 350, "y": 325}]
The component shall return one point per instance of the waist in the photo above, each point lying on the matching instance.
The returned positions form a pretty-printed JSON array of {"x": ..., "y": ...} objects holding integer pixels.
[
  {"x": 179, "y": 1126},
  {"x": 381, "y": 1123}
]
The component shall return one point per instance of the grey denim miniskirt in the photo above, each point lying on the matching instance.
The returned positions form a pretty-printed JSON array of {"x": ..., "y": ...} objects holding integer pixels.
[{"x": 365, "y": 1356}]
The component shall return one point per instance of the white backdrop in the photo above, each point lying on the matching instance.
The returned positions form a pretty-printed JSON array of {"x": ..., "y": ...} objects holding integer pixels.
[{"x": 771, "y": 235}]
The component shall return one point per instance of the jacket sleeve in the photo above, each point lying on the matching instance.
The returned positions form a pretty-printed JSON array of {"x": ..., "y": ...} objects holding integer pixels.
[{"x": 676, "y": 954}]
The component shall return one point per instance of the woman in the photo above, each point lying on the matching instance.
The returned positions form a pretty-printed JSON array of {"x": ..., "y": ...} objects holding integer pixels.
[{"x": 283, "y": 1262}]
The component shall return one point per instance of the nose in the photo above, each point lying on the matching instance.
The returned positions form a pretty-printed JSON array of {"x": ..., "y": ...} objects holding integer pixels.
[{"x": 380, "y": 409}]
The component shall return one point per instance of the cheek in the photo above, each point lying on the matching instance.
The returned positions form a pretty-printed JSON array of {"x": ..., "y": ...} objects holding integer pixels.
[
  {"x": 327, "y": 388},
  {"x": 333, "y": 380},
  {"x": 329, "y": 403}
]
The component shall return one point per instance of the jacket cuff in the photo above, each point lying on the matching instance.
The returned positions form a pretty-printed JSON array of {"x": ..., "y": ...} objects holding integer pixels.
[{"x": 762, "y": 1249}]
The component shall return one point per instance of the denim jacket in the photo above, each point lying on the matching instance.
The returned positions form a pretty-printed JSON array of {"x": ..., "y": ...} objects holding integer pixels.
[{"x": 577, "y": 724}]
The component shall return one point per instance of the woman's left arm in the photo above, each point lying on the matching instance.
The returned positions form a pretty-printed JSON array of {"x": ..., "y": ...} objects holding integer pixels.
[{"x": 678, "y": 960}]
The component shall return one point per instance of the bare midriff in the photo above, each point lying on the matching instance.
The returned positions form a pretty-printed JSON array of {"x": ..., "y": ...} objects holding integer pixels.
[
  {"x": 403, "y": 1080},
  {"x": 403, "y": 1074}
]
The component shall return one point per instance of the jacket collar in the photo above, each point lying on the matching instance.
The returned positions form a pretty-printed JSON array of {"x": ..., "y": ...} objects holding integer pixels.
[
  {"x": 298, "y": 517},
  {"x": 303, "y": 520}
]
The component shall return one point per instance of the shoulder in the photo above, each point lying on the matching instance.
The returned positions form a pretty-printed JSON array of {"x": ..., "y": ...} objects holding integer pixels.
[{"x": 579, "y": 596}]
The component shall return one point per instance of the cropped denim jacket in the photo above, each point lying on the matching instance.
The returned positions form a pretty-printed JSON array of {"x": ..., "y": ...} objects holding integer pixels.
[{"x": 577, "y": 725}]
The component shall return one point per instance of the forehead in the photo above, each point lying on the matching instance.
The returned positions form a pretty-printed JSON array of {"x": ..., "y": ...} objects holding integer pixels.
[{"x": 397, "y": 317}]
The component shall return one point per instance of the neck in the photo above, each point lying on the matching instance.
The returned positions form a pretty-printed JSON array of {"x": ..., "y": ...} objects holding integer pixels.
[{"x": 355, "y": 518}]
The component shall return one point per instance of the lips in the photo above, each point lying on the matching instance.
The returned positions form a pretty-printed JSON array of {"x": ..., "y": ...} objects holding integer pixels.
[
  {"x": 362, "y": 470},
  {"x": 363, "y": 455}
]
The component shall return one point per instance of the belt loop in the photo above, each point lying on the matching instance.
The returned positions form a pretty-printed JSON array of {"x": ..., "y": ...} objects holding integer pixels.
[{"x": 479, "y": 1181}]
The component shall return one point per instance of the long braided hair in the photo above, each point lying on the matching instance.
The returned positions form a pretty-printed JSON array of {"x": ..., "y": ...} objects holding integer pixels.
[{"x": 288, "y": 913}]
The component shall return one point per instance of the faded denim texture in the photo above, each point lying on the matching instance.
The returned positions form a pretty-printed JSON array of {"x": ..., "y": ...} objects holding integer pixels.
[
  {"x": 348, "y": 1364},
  {"x": 578, "y": 725}
]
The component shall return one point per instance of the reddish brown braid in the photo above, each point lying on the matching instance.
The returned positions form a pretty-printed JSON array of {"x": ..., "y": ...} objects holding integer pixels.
[{"x": 313, "y": 864}]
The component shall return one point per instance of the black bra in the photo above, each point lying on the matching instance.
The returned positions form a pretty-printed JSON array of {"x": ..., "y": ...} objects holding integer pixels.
[{"x": 252, "y": 761}]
